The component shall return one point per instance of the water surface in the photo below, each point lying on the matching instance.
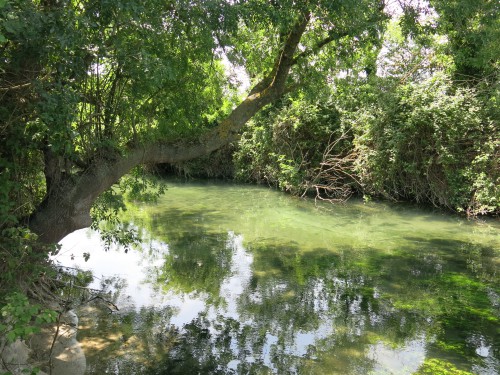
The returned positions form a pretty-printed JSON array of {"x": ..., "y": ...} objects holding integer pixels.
[{"x": 243, "y": 279}]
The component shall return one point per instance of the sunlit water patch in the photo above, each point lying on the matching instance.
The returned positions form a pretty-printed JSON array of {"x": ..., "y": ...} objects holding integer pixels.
[{"x": 243, "y": 279}]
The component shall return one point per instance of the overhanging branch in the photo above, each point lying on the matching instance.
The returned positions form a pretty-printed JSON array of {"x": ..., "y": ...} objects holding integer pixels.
[
  {"x": 332, "y": 36},
  {"x": 65, "y": 212}
]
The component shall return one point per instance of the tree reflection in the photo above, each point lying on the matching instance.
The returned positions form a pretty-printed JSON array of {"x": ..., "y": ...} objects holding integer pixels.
[
  {"x": 197, "y": 261},
  {"x": 326, "y": 310}
]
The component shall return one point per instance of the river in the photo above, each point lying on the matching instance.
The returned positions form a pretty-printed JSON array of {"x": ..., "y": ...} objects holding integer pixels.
[{"x": 246, "y": 280}]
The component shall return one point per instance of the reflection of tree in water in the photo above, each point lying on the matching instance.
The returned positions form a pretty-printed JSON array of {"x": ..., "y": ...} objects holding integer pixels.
[
  {"x": 289, "y": 296},
  {"x": 322, "y": 310},
  {"x": 198, "y": 260}
]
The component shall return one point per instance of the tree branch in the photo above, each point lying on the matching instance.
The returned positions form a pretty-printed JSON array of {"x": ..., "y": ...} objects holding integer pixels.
[
  {"x": 285, "y": 60},
  {"x": 69, "y": 208},
  {"x": 332, "y": 36},
  {"x": 278, "y": 75}
]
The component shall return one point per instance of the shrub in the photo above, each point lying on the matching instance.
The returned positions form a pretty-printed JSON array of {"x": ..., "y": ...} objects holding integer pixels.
[
  {"x": 285, "y": 145},
  {"x": 432, "y": 143}
]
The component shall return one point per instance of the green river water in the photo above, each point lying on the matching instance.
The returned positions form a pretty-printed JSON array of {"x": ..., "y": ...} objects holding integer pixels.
[{"x": 233, "y": 279}]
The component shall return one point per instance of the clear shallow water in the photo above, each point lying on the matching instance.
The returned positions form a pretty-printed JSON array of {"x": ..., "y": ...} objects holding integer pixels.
[{"x": 242, "y": 279}]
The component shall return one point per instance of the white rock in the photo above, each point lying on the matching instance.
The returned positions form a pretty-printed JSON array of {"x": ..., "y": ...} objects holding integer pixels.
[{"x": 68, "y": 357}]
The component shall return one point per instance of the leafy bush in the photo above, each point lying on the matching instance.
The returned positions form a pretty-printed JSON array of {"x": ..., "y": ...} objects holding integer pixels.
[
  {"x": 430, "y": 142},
  {"x": 20, "y": 319},
  {"x": 22, "y": 259},
  {"x": 285, "y": 145}
]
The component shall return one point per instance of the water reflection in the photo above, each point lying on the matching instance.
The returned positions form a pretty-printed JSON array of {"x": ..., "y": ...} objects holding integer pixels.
[{"x": 295, "y": 290}]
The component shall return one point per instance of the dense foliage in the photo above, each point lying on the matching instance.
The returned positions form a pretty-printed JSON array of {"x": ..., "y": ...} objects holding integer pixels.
[
  {"x": 411, "y": 132},
  {"x": 86, "y": 85},
  {"x": 431, "y": 143},
  {"x": 298, "y": 146}
]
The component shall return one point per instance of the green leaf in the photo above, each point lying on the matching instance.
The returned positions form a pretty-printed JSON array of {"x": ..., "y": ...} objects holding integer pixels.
[
  {"x": 11, "y": 336},
  {"x": 12, "y": 26}
]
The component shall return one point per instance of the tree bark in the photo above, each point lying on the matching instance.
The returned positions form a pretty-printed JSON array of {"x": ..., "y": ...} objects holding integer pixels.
[{"x": 66, "y": 207}]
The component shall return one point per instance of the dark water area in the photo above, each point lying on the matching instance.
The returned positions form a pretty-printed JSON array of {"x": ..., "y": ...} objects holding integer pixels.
[{"x": 233, "y": 279}]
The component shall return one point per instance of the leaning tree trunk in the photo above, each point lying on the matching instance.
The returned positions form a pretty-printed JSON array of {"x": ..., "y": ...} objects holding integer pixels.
[{"x": 66, "y": 207}]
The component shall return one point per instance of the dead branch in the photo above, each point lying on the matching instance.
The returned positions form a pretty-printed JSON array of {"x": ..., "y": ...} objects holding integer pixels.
[{"x": 333, "y": 178}]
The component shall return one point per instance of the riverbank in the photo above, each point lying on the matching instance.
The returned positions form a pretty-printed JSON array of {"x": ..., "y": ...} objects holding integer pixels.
[{"x": 55, "y": 350}]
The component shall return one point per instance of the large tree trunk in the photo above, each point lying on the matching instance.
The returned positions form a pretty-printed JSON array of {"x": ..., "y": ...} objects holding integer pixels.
[{"x": 66, "y": 207}]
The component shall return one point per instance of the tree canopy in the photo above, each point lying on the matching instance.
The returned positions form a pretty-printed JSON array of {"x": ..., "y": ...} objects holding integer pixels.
[{"x": 92, "y": 89}]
